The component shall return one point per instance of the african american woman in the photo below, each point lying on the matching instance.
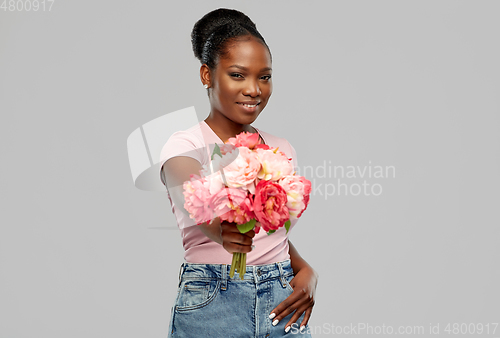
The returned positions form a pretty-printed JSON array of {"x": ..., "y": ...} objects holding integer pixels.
[{"x": 277, "y": 294}]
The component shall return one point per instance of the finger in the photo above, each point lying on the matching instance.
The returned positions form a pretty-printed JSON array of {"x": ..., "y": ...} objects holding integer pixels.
[
  {"x": 295, "y": 317},
  {"x": 286, "y": 307},
  {"x": 235, "y": 247},
  {"x": 231, "y": 227},
  {"x": 234, "y": 230},
  {"x": 237, "y": 238},
  {"x": 306, "y": 317},
  {"x": 250, "y": 233},
  {"x": 242, "y": 239}
]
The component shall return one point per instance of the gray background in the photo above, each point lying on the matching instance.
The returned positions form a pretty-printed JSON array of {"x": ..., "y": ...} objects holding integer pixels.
[{"x": 414, "y": 85}]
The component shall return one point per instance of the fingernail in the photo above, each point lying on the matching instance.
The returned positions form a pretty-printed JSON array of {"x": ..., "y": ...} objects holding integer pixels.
[
  {"x": 275, "y": 322},
  {"x": 272, "y": 315},
  {"x": 287, "y": 329},
  {"x": 302, "y": 328}
]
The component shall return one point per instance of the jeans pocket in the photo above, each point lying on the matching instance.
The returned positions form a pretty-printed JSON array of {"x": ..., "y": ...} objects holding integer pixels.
[
  {"x": 171, "y": 323},
  {"x": 195, "y": 294},
  {"x": 288, "y": 278}
]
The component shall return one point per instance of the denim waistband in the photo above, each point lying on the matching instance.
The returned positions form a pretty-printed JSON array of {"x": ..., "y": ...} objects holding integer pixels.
[{"x": 253, "y": 273}]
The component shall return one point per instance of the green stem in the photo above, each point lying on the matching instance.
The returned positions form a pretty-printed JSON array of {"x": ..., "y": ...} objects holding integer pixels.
[
  {"x": 233, "y": 265},
  {"x": 243, "y": 264},
  {"x": 237, "y": 263}
]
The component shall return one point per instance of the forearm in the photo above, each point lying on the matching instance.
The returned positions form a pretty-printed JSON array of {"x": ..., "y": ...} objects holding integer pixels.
[
  {"x": 212, "y": 231},
  {"x": 297, "y": 262}
]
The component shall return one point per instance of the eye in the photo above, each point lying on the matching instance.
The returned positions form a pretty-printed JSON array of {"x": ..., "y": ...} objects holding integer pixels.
[
  {"x": 266, "y": 77},
  {"x": 237, "y": 75}
]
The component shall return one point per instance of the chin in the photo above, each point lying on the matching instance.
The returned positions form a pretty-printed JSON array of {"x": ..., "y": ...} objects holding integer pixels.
[
  {"x": 248, "y": 119},
  {"x": 243, "y": 117}
]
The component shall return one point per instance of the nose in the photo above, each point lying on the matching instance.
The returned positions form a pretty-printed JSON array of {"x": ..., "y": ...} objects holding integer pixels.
[{"x": 251, "y": 89}]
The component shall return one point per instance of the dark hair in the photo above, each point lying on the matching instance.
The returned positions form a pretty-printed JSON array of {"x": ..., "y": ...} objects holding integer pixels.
[{"x": 211, "y": 34}]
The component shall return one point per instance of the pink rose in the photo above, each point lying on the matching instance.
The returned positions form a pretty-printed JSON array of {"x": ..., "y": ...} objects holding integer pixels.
[
  {"x": 270, "y": 205},
  {"x": 261, "y": 146},
  {"x": 241, "y": 213},
  {"x": 297, "y": 190},
  {"x": 196, "y": 199},
  {"x": 307, "y": 192},
  {"x": 232, "y": 205},
  {"x": 226, "y": 148},
  {"x": 257, "y": 227},
  {"x": 241, "y": 170},
  {"x": 244, "y": 139},
  {"x": 212, "y": 174},
  {"x": 274, "y": 164}
]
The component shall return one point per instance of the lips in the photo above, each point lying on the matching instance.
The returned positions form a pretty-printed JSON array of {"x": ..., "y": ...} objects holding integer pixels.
[
  {"x": 249, "y": 107},
  {"x": 249, "y": 104}
]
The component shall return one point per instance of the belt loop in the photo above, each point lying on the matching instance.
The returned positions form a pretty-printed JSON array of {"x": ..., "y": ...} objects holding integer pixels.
[
  {"x": 282, "y": 274},
  {"x": 181, "y": 270},
  {"x": 224, "y": 277}
]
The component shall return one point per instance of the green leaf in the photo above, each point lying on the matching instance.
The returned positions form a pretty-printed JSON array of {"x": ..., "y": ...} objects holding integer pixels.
[
  {"x": 287, "y": 225},
  {"x": 245, "y": 227},
  {"x": 216, "y": 151},
  {"x": 270, "y": 232}
]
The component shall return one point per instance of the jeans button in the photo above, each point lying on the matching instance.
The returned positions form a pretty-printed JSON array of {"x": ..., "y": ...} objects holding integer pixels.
[{"x": 259, "y": 272}]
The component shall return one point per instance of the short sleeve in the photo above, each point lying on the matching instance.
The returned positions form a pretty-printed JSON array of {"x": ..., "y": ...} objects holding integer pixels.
[
  {"x": 294, "y": 158},
  {"x": 295, "y": 169},
  {"x": 181, "y": 143}
]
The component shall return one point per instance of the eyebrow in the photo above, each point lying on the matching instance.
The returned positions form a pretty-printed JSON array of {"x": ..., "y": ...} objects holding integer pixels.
[{"x": 245, "y": 68}]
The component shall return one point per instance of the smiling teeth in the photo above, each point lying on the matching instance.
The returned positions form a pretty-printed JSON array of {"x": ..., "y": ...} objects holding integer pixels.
[{"x": 249, "y": 105}]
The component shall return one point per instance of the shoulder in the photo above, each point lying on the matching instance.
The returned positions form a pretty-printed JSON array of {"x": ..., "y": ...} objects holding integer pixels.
[
  {"x": 279, "y": 142},
  {"x": 192, "y": 135},
  {"x": 187, "y": 142},
  {"x": 276, "y": 141}
]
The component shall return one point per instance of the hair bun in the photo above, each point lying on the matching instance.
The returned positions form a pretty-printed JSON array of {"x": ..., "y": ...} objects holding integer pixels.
[{"x": 213, "y": 20}]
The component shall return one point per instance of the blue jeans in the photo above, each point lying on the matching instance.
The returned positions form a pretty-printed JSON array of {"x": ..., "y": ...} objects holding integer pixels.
[{"x": 211, "y": 304}]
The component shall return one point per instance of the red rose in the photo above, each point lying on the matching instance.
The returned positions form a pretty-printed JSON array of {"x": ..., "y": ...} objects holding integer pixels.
[{"x": 270, "y": 205}]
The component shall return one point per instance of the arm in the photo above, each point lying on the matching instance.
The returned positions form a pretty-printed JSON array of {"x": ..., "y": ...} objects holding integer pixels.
[
  {"x": 302, "y": 298},
  {"x": 176, "y": 171},
  {"x": 297, "y": 262}
]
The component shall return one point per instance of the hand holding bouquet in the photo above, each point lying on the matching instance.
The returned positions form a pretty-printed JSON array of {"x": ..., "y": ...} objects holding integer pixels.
[{"x": 251, "y": 183}]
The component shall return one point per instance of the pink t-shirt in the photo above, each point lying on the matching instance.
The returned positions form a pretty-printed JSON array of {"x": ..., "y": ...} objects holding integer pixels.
[{"x": 194, "y": 143}]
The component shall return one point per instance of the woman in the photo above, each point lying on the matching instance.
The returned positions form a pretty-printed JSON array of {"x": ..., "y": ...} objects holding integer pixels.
[{"x": 276, "y": 296}]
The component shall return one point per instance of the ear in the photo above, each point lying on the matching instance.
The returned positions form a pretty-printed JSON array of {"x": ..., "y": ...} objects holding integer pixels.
[{"x": 205, "y": 75}]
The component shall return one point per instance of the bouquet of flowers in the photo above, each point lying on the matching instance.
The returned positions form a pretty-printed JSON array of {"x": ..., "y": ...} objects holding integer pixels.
[{"x": 251, "y": 183}]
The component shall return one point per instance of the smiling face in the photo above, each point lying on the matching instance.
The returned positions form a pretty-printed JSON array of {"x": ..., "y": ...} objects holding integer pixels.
[{"x": 241, "y": 84}]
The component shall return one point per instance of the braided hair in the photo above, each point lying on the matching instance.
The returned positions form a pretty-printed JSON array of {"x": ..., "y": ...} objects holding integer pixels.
[{"x": 217, "y": 30}]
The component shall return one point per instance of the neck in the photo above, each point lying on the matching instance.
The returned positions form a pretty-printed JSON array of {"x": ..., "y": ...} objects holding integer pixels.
[{"x": 226, "y": 128}]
